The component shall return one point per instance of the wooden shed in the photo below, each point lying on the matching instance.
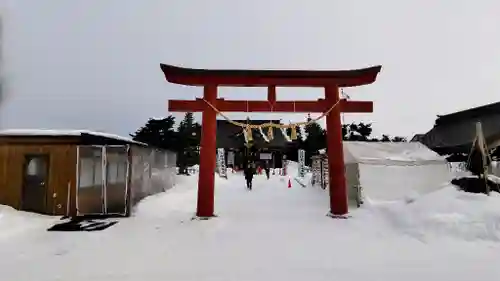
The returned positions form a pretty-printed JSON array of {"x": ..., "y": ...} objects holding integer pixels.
[{"x": 77, "y": 172}]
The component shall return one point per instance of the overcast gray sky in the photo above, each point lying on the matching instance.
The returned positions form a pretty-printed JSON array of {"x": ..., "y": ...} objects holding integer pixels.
[{"x": 95, "y": 63}]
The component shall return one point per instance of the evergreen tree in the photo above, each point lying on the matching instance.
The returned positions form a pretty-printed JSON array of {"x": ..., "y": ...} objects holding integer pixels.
[
  {"x": 188, "y": 142},
  {"x": 300, "y": 138},
  {"x": 356, "y": 132},
  {"x": 385, "y": 138},
  {"x": 315, "y": 139},
  {"x": 159, "y": 133},
  {"x": 398, "y": 139},
  {"x": 345, "y": 131},
  {"x": 364, "y": 130}
]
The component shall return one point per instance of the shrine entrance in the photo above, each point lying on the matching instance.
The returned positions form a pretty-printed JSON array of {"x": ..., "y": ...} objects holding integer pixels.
[{"x": 210, "y": 106}]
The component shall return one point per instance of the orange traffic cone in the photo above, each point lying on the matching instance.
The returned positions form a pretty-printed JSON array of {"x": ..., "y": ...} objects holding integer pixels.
[{"x": 289, "y": 183}]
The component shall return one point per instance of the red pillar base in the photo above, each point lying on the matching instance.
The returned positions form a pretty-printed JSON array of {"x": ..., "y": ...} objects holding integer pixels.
[
  {"x": 197, "y": 218},
  {"x": 338, "y": 216}
]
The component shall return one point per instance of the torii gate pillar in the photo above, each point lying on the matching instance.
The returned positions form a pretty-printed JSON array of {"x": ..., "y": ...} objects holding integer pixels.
[
  {"x": 330, "y": 80},
  {"x": 335, "y": 152},
  {"x": 206, "y": 181}
]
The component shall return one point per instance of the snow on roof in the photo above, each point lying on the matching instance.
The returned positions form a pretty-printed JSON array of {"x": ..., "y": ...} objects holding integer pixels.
[
  {"x": 406, "y": 153},
  {"x": 55, "y": 133}
]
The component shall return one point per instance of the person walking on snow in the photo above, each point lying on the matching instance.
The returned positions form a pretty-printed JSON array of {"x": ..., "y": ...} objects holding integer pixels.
[
  {"x": 249, "y": 171},
  {"x": 267, "y": 169}
]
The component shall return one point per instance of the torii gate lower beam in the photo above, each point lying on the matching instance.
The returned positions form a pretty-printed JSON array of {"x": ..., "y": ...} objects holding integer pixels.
[
  {"x": 320, "y": 105},
  {"x": 212, "y": 79}
]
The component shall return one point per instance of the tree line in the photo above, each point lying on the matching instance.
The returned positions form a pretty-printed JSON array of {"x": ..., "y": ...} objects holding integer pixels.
[{"x": 185, "y": 139}]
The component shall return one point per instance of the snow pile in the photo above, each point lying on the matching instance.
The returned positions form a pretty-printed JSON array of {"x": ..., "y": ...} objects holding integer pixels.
[
  {"x": 442, "y": 214},
  {"x": 195, "y": 169},
  {"x": 55, "y": 133},
  {"x": 305, "y": 181},
  {"x": 14, "y": 223},
  {"x": 181, "y": 197},
  {"x": 293, "y": 173},
  {"x": 180, "y": 200}
]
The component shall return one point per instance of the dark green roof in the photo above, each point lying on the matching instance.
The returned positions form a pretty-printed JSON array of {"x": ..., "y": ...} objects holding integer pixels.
[{"x": 455, "y": 132}]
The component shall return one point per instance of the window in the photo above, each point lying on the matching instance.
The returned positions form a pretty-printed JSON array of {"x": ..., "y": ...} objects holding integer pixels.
[
  {"x": 86, "y": 172},
  {"x": 122, "y": 172},
  {"x": 117, "y": 166},
  {"x": 36, "y": 167},
  {"x": 136, "y": 168},
  {"x": 90, "y": 173},
  {"x": 112, "y": 172},
  {"x": 97, "y": 172}
]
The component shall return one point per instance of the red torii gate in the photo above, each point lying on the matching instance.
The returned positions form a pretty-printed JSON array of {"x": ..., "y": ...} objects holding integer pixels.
[{"x": 210, "y": 80}]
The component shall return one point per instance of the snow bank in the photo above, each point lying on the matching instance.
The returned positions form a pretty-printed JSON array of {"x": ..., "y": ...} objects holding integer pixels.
[
  {"x": 181, "y": 197},
  {"x": 441, "y": 214},
  {"x": 14, "y": 223},
  {"x": 180, "y": 200},
  {"x": 293, "y": 173}
]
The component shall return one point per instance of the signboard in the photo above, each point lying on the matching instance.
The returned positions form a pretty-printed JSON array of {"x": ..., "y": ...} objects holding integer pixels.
[
  {"x": 217, "y": 162},
  {"x": 302, "y": 162},
  {"x": 325, "y": 174},
  {"x": 316, "y": 170},
  {"x": 285, "y": 165},
  {"x": 221, "y": 161},
  {"x": 266, "y": 156},
  {"x": 230, "y": 158}
]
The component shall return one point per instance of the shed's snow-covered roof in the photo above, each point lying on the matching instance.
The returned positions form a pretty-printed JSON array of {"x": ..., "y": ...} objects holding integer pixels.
[
  {"x": 62, "y": 133},
  {"x": 390, "y": 153}
]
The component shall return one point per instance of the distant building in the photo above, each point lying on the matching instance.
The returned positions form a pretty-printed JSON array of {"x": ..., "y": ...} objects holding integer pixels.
[{"x": 454, "y": 133}]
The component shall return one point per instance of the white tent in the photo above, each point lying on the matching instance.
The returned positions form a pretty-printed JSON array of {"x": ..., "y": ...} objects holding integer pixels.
[{"x": 391, "y": 171}]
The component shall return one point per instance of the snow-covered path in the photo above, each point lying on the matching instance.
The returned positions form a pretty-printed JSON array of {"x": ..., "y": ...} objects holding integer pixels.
[{"x": 271, "y": 233}]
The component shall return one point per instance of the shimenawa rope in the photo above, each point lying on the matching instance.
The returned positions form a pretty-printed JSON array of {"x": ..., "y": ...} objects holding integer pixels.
[{"x": 274, "y": 125}]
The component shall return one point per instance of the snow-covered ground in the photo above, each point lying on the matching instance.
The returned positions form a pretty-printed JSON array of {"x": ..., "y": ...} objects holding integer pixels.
[{"x": 271, "y": 233}]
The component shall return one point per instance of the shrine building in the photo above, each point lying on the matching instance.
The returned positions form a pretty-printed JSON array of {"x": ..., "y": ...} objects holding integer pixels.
[{"x": 259, "y": 149}]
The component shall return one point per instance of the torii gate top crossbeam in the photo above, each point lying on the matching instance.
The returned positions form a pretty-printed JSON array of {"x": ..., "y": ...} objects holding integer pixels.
[{"x": 265, "y": 78}]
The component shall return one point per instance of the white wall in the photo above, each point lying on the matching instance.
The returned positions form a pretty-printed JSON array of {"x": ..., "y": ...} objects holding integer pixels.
[{"x": 385, "y": 182}]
